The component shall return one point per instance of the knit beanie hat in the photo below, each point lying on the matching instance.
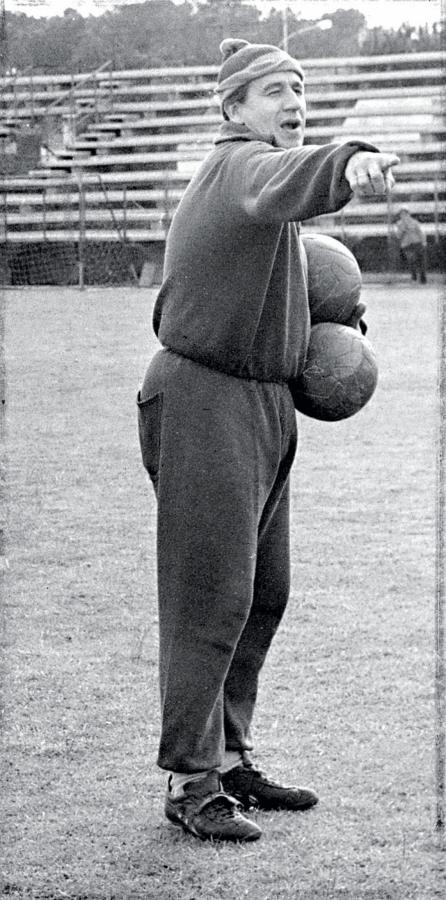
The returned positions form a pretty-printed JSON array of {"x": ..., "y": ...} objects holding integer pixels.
[{"x": 244, "y": 62}]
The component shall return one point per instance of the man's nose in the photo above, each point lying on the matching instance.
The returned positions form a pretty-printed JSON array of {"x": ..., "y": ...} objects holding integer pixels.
[{"x": 292, "y": 100}]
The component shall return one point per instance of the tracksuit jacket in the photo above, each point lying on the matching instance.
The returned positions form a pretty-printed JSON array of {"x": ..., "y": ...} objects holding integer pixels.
[{"x": 218, "y": 430}]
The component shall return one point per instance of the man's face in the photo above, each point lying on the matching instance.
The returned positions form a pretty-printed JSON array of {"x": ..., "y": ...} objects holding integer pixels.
[{"x": 275, "y": 108}]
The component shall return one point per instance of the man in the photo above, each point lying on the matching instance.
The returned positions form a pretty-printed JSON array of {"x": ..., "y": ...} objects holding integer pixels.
[
  {"x": 412, "y": 241},
  {"x": 218, "y": 427}
]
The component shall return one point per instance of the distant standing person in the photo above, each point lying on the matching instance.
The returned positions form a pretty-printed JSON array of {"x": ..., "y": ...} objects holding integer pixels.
[{"x": 412, "y": 241}]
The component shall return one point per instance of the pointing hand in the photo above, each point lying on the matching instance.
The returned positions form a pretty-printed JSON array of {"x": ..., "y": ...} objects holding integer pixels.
[{"x": 370, "y": 174}]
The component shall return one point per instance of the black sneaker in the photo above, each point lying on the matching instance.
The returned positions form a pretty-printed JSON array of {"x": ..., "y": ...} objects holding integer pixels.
[
  {"x": 252, "y": 788},
  {"x": 209, "y": 813}
]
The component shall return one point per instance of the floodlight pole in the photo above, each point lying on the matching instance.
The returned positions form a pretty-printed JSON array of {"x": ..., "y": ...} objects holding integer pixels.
[
  {"x": 284, "y": 43},
  {"x": 320, "y": 25}
]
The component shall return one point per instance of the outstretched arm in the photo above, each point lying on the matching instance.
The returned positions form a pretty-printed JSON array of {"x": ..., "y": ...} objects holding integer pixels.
[{"x": 272, "y": 185}]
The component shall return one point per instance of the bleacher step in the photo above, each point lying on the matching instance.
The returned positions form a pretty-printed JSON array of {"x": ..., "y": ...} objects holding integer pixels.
[{"x": 122, "y": 161}]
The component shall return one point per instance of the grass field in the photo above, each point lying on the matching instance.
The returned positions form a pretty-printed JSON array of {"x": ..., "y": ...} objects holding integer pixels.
[{"x": 347, "y": 696}]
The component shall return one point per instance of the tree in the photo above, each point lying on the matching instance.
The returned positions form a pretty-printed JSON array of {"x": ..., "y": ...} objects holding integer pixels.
[{"x": 163, "y": 33}]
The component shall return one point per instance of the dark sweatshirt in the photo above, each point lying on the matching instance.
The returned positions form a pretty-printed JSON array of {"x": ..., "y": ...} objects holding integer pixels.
[{"x": 234, "y": 294}]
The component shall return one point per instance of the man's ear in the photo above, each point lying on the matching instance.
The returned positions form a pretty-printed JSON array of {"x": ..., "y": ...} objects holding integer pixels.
[{"x": 233, "y": 112}]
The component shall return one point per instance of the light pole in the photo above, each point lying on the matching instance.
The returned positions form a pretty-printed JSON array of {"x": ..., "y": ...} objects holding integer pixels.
[
  {"x": 284, "y": 42},
  {"x": 321, "y": 25}
]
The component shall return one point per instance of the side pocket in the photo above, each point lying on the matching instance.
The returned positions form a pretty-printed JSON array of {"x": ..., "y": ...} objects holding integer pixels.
[{"x": 149, "y": 428}]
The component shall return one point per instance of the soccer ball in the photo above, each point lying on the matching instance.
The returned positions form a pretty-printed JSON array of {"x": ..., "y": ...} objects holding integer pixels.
[
  {"x": 339, "y": 376},
  {"x": 334, "y": 279}
]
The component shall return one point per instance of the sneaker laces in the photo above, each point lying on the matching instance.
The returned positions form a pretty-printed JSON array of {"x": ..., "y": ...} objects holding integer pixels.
[{"x": 220, "y": 810}]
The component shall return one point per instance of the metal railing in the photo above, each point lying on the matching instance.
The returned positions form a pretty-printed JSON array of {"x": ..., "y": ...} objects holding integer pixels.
[
  {"x": 11, "y": 81},
  {"x": 70, "y": 95}
]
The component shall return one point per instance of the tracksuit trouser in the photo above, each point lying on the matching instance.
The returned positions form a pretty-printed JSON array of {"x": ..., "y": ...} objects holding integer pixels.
[
  {"x": 218, "y": 450},
  {"x": 415, "y": 255}
]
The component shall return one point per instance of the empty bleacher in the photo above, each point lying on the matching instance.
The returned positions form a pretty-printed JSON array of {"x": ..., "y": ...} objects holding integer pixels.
[{"x": 119, "y": 148}]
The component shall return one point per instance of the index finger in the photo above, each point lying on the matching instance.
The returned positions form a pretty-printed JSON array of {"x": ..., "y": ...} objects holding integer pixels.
[{"x": 389, "y": 160}]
